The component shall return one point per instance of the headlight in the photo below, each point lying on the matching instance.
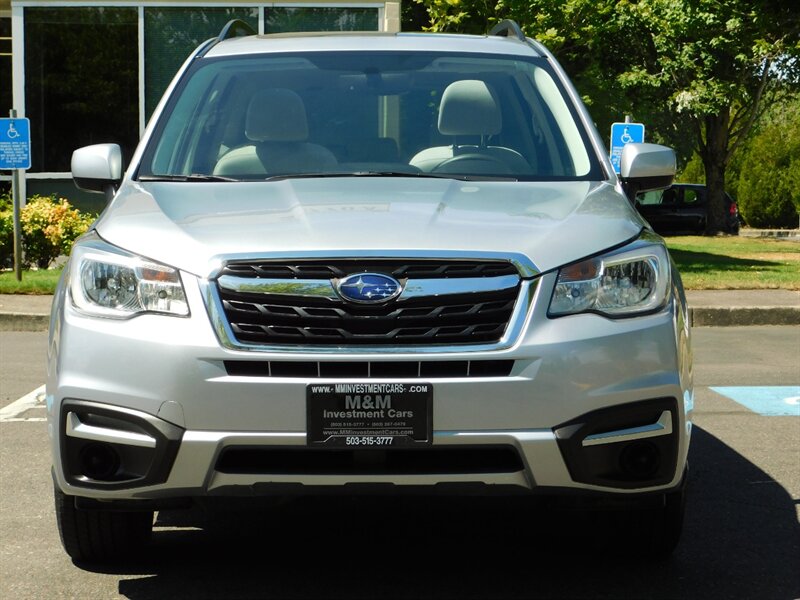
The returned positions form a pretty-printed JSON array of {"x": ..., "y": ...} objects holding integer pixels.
[
  {"x": 108, "y": 282},
  {"x": 626, "y": 282}
]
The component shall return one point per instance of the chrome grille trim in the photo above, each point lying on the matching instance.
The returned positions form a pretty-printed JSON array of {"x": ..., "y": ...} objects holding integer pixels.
[
  {"x": 303, "y": 288},
  {"x": 524, "y": 266},
  {"x": 413, "y": 288},
  {"x": 527, "y": 289}
]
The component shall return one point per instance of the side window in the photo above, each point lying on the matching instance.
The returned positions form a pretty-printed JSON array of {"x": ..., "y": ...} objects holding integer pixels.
[
  {"x": 649, "y": 198},
  {"x": 691, "y": 196},
  {"x": 670, "y": 196}
]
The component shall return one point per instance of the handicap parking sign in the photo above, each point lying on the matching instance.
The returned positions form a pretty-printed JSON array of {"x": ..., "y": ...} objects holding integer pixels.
[
  {"x": 621, "y": 134},
  {"x": 15, "y": 144}
]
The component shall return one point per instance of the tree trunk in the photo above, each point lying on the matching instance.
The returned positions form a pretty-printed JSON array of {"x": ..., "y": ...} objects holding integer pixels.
[{"x": 715, "y": 162}]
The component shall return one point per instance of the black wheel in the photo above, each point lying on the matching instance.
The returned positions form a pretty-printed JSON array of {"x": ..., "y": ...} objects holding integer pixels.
[
  {"x": 100, "y": 536},
  {"x": 651, "y": 532},
  {"x": 665, "y": 526}
]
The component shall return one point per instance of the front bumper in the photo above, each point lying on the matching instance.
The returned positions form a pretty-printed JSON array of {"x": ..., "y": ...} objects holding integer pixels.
[{"x": 171, "y": 372}]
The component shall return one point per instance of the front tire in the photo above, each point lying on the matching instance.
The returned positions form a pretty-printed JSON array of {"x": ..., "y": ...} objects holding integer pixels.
[
  {"x": 666, "y": 525},
  {"x": 100, "y": 536},
  {"x": 651, "y": 531}
]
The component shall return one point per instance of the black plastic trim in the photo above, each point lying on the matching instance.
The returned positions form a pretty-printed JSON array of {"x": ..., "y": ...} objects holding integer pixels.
[
  {"x": 508, "y": 28},
  {"x": 235, "y": 28},
  {"x": 160, "y": 459},
  {"x": 413, "y": 461},
  {"x": 600, "y": 464},
  {"x": 369, "y": 369}
]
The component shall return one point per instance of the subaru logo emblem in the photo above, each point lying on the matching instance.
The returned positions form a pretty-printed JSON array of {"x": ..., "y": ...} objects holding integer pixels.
[{"x": 368, "y": 288}]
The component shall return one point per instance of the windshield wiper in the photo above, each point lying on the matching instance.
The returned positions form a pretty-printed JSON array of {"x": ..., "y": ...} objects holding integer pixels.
[
  {"x": 186, "y": 178},
  {"x": 391, "y": 174}
]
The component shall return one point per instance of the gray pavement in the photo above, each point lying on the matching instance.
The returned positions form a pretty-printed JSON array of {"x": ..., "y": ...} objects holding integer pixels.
[
  {"x": 741, "y": 538},
  {"x": 707, "y": 307}
]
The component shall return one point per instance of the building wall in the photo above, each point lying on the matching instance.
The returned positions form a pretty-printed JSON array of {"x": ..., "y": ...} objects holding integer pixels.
[{"x": 93, "y": 71}]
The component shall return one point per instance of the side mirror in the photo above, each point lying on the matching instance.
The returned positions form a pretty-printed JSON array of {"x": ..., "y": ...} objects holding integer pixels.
[
  {"x": 98, "y": 168},
  {"x": 646, "y": 167}
]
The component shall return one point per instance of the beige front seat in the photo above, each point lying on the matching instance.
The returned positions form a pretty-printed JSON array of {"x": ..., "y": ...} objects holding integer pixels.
[
  {"x": 469, "y": 108},
  {"x": 276, "y": 123}
]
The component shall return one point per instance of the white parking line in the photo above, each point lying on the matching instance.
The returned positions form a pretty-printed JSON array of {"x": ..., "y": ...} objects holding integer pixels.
[{"x": 12, "y": 412}]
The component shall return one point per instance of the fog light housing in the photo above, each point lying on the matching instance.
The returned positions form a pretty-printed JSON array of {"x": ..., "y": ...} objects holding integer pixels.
[
  {"x": 108, "y": 447},
  {"x": 640, "y": 459},
  {"x": 628, "y": 446},
  {"x": 99, "y": 461}
]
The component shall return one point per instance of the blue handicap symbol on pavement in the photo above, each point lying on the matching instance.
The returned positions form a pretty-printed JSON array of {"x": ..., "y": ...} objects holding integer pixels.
[{"x": 774, "y": 401}]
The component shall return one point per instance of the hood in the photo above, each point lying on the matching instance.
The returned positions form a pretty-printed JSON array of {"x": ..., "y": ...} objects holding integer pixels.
[{"x": 192, "y": 225}]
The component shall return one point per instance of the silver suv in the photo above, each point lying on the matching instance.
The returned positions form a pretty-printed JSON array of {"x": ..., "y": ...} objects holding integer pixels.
[{"x": 346, "y": 262}]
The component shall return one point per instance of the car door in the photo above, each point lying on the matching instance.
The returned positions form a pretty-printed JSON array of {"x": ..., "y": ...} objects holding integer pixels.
[
  {"x": 658, "y": 208},
  {"x": 691, "y": 209}
]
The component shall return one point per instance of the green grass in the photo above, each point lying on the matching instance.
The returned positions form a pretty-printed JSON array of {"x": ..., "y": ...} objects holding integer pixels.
[
  {"x": 705, "y": 263},
  {"x": 736, "y": 263},
  {"x": 33, "y": 282}
]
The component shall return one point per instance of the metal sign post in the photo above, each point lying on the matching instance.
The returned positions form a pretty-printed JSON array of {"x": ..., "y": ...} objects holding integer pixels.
[{"x": 15, "y": 155}]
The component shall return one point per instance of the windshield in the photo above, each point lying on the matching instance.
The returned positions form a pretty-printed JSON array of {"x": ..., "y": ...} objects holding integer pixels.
[{"x": 398, "y": 113}]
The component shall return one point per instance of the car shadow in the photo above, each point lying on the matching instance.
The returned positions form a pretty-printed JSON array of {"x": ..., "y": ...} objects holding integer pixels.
[
  {"x": 701, "y": 262},
  {"x": 741, "y": 540}
]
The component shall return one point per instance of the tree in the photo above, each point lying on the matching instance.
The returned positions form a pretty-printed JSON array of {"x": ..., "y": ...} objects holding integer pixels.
[
  {"x": 699, "y": 72},
  {"x": 716, "y": 63},
  {"x": 769, "y": 176}
]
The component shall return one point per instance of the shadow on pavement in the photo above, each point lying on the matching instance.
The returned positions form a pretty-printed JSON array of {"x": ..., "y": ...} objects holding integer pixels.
[{"x": 741, "y": 540}]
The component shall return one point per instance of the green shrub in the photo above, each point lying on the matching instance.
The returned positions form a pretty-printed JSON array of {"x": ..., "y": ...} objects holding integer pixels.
[
  {"x": 6, "y": 231},
  {"x": 769, "y": 179},
  {"x": 49, "y": 227}
]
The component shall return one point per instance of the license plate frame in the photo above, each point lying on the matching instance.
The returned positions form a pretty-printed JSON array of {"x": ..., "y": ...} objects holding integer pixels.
[{"x": 369, "y": 415}]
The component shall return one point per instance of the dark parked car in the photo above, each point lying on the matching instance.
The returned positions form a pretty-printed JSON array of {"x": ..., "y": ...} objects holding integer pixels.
[{"x": 683, "y": 207}]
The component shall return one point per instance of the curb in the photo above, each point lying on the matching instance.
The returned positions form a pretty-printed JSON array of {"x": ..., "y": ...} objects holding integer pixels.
[
  {"x": 23, "y": 322},
  {"x": 786, "y": 235},
  {"x": 742, "y": 316}
]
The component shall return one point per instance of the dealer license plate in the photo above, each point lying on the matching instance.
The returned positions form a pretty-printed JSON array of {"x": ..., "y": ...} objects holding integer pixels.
[{"x": 369, "y": 415}]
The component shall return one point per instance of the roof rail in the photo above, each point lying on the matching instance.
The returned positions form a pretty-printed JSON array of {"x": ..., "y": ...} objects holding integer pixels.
[
  {"x": 508, "y": 28},
  {"x": 235, "y": 28}
]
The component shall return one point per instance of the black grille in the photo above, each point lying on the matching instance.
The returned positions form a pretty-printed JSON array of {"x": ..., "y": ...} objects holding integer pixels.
[
  {"x": 399, "y": 269},
  {"x": 368, "y": 370},
  {"x": 450, "y": 319},
  {"x": 425, "y": 461},
  {"x": 279, "y": 319}
]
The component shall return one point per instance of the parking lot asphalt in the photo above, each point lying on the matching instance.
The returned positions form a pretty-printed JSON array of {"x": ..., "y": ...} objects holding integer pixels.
[
  {"x": 741, "y": 538},
  {"x": 707, "y": 308}
]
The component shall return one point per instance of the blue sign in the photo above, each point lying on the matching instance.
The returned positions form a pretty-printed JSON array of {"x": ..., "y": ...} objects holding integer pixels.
[
  {"x": 621, "y": 134},
  {"x": 15, "y": 144}
]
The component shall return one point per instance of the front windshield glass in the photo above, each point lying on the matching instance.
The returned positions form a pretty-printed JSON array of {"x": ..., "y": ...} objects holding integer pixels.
[{"x": 398, "y": 113}]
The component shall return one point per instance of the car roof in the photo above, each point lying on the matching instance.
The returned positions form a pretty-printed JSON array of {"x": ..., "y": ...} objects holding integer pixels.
[{"x": 372, "y": 42}]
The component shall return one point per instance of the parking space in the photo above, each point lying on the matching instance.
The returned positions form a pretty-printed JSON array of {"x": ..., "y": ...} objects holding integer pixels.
[{"x": 741, "y": 538}]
